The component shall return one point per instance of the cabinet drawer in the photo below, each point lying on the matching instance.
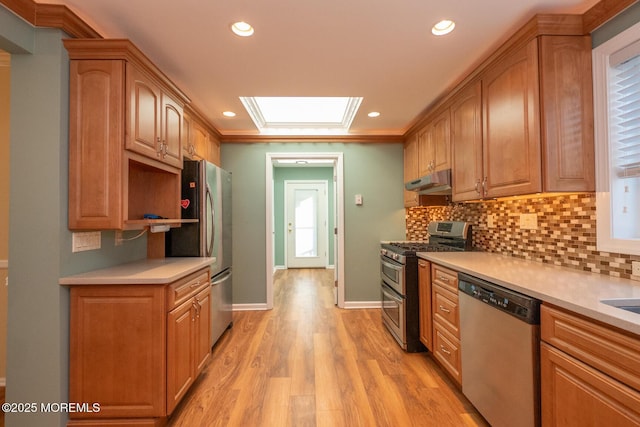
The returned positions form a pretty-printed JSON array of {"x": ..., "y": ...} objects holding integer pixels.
[
  {"x": 605, "y": 348},
  {"x": 446, "y": 349},
  {"x": 445, "y": 278},
  {"x": 181, "y": 290},
  {"x": 445, "y": 309}
]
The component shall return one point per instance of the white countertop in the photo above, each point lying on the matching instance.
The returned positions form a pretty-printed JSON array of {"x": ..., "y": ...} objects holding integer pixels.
[
  {"x": 575, "y": 290},
  {"x": 149, "y": 271}
]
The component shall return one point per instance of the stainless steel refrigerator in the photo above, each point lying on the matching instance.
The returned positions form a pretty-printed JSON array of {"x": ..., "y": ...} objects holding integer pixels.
[{"x": 206, "y": 195}]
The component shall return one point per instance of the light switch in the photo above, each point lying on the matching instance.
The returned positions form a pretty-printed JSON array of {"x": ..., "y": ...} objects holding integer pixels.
[{"x": 359, "y": 199}]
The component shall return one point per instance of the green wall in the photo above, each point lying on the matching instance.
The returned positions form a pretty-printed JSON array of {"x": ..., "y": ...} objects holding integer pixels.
[
  {"x": 373, "y": 170},
  {"x": 282, "y": 174},
  {"x": 39, "y": 241}
]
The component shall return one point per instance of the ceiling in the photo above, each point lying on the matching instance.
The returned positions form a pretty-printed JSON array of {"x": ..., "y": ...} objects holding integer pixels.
[{"x": 382, "y": 51}]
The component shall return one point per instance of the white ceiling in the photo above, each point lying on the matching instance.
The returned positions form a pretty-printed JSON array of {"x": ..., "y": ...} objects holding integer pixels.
[{"x": 380, "y": 50}]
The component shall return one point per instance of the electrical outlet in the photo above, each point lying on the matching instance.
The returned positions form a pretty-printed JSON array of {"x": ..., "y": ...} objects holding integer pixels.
[
  {"x": 85, "y": 241},
  {"x": 118, "y": 238},
  {"x": 491, "y": 220},
  {"x": 529, "y": 221},
  {"x": 635, "y": 268}
]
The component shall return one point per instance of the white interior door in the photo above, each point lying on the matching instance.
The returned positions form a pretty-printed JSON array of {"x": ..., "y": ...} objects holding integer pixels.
[{"x": 306, "y": 223}]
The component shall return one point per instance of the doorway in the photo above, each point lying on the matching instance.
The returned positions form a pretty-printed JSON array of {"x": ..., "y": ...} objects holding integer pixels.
[
  {"x": 306, "y": 224},
  {"x": 333, "y": 160}
]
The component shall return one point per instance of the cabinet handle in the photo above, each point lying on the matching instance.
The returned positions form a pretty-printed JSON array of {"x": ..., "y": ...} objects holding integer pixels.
[
  {"x": 444, "y": 350},
  {"x": 484, "y": 186},
  {"x": 443, "y": 278},
  {"x": 194, "y": 313},
  {"x": 444, "y": 309},
  {"x": 478, "y": 186},
  {"x": 159, "y": 152},
  {"x": 198, "y": 308},
  {"x": 422, "y": 265},
  {"x": 195, "y": 285}
]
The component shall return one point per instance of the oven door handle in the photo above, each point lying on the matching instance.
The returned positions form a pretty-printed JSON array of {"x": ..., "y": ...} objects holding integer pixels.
[
  {"x": 391, "y": 294},
  {"x": 396, "y": 267}
]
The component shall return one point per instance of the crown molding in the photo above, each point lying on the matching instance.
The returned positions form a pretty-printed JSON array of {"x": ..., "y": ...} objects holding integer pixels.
[{"x": 51, "y": 15}]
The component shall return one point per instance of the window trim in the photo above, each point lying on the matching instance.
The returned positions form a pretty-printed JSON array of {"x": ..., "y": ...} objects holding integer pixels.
[{"x": 605, "y": 242}]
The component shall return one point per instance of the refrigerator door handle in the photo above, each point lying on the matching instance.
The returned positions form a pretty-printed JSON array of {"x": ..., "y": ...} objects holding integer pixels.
[
  {"x": 221, "y": 278},
  {"x": 213, "y": 224}
]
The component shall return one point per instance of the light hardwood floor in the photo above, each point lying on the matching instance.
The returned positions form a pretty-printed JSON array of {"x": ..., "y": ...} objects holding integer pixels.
[{"x": 308, "y": 363}]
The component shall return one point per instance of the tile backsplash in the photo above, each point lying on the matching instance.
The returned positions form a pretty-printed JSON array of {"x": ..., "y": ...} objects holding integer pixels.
[{"x": 565, "y": 234}]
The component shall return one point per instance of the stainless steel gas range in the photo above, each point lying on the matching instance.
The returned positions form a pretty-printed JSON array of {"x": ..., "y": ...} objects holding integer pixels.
[{"x": 399, "y": 278}]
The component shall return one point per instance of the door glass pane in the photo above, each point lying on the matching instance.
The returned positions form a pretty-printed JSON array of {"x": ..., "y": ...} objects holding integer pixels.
[{"x": 306, "y": 203}]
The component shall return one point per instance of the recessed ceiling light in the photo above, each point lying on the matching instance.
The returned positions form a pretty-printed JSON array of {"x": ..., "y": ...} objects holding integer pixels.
[
  {"x": 443, "y": 27},
  {"x": 373, "y": 114},
  {"x": 228, "y": 114},
  {"x": 242, "y": 29}
]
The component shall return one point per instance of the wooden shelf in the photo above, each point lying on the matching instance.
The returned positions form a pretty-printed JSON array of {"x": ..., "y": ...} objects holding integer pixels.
[{"x": 139, "y": 224}]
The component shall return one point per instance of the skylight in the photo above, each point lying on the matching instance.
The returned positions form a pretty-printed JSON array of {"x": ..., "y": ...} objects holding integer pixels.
[{"x": 302, "y": 115}]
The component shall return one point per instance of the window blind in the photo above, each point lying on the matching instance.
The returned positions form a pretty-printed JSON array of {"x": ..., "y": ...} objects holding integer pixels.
[{"x": 625, "y": 117}]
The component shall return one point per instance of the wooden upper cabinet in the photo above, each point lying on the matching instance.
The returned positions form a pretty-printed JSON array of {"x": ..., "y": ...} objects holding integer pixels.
[
  {"x": 200, "y": 137},
  {"x": 434, "y": 145},
  {"x": 95, "y": 137},
  {"x": 466, "y": 143},
  {"x": 214, "y": 150},
  {"x": 411, "y": 198},
  {"x": 511, "y": 130},
  {"x": 567, "y": 111},
  {"x": 155, "y": 120},
  {"x": 125, "y": 137},
  {"x": 530, "y": 110}
]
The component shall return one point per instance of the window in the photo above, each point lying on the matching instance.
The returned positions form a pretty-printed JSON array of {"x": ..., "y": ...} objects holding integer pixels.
[{"x": 616, "y": 66}]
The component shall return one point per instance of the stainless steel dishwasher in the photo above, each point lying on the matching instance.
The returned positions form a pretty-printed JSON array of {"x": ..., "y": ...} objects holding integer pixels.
[{"x": 500, "y": 346}]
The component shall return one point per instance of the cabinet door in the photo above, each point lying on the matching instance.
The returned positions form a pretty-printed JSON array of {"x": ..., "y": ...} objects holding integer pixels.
[
  {"x": 187, "y": 142},
  {"x": 96, "y": 109},
  {"x": 441, "y": 141},
  {"x": 567, "y": 113},
  {"x": 574, "y": 394},
  {"x": 214, "y": 150},
  {"x": 203, "y": 330},
  {"x": 511, "y": 119},
  {"x": 411, "y": 169},
  {"x": 117, "y": 350},
  {"x": 144, "y": 110},
  {"x": 180, "y": 352},
  {"x": 426, "y": 141},
  {"x": 424, "y": 295},
  {"x": 171, "y": 135},
  {"x": 466, "y": 143},
  {"x": 200, "y": 140}
]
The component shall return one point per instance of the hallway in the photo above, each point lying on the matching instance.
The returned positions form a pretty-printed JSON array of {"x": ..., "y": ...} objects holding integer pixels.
[{"x": 308, "y": 363}]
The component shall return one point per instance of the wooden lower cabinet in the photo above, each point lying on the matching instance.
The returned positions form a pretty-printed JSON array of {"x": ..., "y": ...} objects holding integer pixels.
[
  {"x": 446, "y": 320},
  {"x": 136, "y": 349},
  {"x": 188, "y": 345},
  {"x": 424, "y": 295},
  {"x": 575, "y": 394},
  {"x": 589, "y": 372}
]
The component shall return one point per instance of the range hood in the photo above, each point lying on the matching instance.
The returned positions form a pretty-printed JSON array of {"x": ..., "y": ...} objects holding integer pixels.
[{"x": 437, "y": 183}]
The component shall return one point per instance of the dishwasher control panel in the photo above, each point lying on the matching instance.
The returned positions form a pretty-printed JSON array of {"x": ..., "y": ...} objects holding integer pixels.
[{"x": 519, "y": 305}]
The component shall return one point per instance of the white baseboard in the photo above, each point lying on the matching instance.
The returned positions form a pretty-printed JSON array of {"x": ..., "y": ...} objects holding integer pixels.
[
  {"x": 362, "y": 304},
  {"x": 249, "y": 307}
]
